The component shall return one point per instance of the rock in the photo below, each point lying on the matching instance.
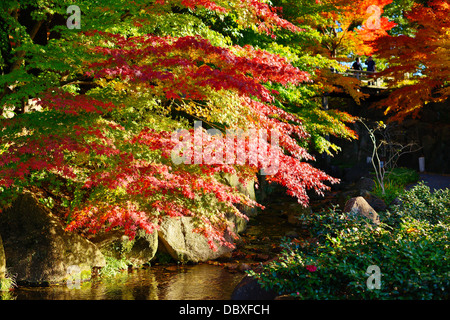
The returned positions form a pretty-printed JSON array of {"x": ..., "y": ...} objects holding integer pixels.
[
  {"x": 250, "y": 289},
  {"x": 248, "y": 189},
  {"x": 138, "y": 251},
  {"x": 343, "y": 197},
  {"x": 376, "y": 203},
  {"x": 144, "y": 248},
  {"x": 365, "y": 184},
  {"x": 359, "y": 205},
  {"x": 292, "y": 234},
  {"x": 267, "y": 190},
  {"x": 2, "y": 260},
  {"x": 177, "y": 236},
  {"x": 240, "y": 224},
  {"x": 183, "y": 244},
  {"x": 37, "y": 248}
]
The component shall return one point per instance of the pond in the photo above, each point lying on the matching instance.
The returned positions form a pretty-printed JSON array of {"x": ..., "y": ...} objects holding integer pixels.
[
  {"x": 260, "y": 242},
  {"x": 188, "y": 282}
]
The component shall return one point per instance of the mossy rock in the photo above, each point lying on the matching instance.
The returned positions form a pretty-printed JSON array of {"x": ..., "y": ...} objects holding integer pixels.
[{"x": 38, "y": 250}]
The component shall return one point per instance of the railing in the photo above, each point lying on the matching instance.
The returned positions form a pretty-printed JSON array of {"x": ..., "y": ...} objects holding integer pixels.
[{"x": 370, "y": 76}]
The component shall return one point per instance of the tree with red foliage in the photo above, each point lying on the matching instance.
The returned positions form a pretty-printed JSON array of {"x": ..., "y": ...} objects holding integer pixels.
[{"x": 108, "y": 99}]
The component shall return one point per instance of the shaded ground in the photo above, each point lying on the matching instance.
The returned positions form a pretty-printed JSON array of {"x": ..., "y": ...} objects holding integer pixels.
[{"x": 435, "y": 181}]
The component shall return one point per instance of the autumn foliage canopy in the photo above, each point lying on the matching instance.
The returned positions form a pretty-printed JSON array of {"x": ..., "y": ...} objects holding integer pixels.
[
  {"x": 106, "y": 147},
  {"x": 419, "y": 64},
  {"x": 89, "y": 115}
]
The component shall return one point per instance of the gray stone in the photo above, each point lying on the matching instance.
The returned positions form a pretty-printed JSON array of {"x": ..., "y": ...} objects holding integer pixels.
[
  {"x": 177, "y": 236},
  {"x": 138, "y": 251},
  {"x": 365, "y": 184},
  {"x": 144, "y": 248},
  {"x": 239, "y": 223},
  {"x": 250, "y": 289},
  {"x": 248, "y": 189},
  {"x": 183, "y": 244},
  {"x": 376, "y": 203},
  {"x": 359, "y": 205},
  {"x": 38, "y": 249}
]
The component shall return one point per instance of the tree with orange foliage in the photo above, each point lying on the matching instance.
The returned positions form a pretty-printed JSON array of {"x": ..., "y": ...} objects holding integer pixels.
[
  {"x": 346, "y": 26},
  {"x": 419, "y": 65},
  {"x": 338, "y": 31}
]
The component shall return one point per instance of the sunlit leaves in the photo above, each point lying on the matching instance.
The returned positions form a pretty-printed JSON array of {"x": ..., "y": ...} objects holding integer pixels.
[
  {"x": 112, "y": 94},
  {"x": 421, "y": 59}
]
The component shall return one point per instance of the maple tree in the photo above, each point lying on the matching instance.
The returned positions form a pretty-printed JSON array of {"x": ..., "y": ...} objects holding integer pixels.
[
  {"x": 105, "y": 101},
  {"x": 418, "y": 64},
  {"x": 397, "y": 11},
  {"x": 346, "y": 31},
  {"x": 335, "y": 32},
  {"x": 343, "y": 27}
]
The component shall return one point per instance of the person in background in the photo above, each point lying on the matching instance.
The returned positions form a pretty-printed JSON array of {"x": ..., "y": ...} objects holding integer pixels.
[
  {"x": 370, "y": 64},
  {"x": 371, "y": 68},
  {"x": 357, "y": 65}
]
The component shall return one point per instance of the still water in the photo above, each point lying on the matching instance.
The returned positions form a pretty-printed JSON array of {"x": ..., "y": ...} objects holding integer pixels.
[
  {"x": 194, "y": 282},
  {"x": 188, "y": 282}
]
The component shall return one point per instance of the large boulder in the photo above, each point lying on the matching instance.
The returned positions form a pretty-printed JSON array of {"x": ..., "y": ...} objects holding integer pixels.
[
  {"x": 177, "y": 236},
  {"x": 248, "y": 188},
  {"x": 365, "y": 184},
  {"x": 38, "y": 250},
  {"x": 376, "y": 203},
  {"x": 359, "y": 205},
  {"x": 250, "y": 289},
  {"x": 183, "y": 244},
  {"x": 2, "y": 260},
  {"x": 143, "y": 248},
  {"x": 138, "y": 251}
]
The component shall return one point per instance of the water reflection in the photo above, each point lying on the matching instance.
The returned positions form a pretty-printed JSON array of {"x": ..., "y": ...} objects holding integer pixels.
[{"x": 197, "y": 282}]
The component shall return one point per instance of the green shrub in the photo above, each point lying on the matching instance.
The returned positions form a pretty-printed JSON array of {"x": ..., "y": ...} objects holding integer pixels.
[
  {"x": 422, "y": 204},
  {"x": 114, "y": 266},
  {"x": 403, "y": 176},
  {"x": 7, "y": 284},
  {"x": 391, "y": 191},
  {"x": 411, "y": 249},
  {"x": 394, "y": 183}
]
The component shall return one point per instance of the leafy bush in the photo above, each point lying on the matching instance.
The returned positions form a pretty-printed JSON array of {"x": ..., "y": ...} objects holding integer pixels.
[
  {"x": 114, "y": 266},
  {"x": 403, "y": 176},
  {"x": 391, "y": 191},
  {"x": 422, "y": 204},
  {"x": 7, "y": 284},
  {"x": 411, "y": 249}
]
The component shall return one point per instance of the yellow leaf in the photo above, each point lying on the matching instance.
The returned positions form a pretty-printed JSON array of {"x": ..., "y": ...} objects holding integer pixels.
[{"x": 412, "y": 229}]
